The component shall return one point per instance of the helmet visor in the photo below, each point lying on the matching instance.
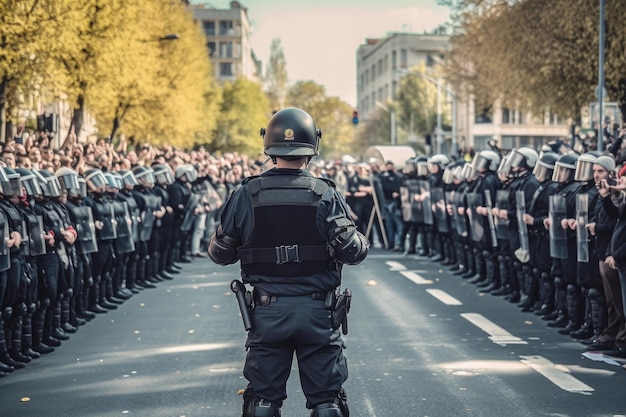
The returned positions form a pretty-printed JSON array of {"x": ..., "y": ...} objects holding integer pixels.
[
  {"x": 96, "y": 179},
  {"x": 584, "y": 170},
  {"x": 13, "y": 187},
  {"x": 163, "y": 176},
  {"x": 422, "y": 169},
  {"x": 562, "y": 173},
  {"x": 31, "y": 184},
  {"x": 448, "y": 175},
  {"x": 129, "y": 179},
  {"x": 543, "y": 172},
  {"x": 68, "y": 181}
]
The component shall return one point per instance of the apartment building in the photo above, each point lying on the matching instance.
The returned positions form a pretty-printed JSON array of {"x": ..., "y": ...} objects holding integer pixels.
[
  {"x": 228, "y": 41},
  {"x": 381, "y": 64}
]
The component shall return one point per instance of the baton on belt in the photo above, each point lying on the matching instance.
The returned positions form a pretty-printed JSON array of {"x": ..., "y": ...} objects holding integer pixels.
[{"x": 240, "y": 292}]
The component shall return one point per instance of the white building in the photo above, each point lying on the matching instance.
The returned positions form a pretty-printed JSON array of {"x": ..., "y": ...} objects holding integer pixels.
[
  {"x": 228, "y": 41},
  {"x": 381, "y": 64}
]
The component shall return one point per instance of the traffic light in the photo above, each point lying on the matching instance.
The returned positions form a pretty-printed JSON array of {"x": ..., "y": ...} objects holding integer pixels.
[{"x": 355, "y": 117}]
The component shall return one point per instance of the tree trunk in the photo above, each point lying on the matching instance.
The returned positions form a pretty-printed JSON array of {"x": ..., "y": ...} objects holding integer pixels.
[
  {"x": 3, "y": 109},
  {"x": 79, "y": 117}
]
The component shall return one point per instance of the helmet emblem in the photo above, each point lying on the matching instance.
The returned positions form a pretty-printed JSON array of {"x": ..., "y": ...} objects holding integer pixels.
[{"x": 289, "y": 134}]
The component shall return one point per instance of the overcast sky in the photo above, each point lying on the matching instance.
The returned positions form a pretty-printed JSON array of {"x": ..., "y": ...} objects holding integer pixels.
[{"x": 320, "y": 37}]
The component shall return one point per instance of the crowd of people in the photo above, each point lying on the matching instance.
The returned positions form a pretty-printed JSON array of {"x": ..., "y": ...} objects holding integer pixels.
[
  {"x": 541, "y": 228},
  {"x": 88, "y": 225}
]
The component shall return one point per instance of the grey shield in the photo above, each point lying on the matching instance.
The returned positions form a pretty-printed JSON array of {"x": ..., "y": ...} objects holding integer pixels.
[
  {"x": 35, "y": 242},
  {"x": 476, "y": 224},
  {"x": 582, "y": 234},
  {"x": 441, "y": 214},
  {"x": 523, "y": 253},
  {"x": 124, "y": 242},
  {"x": 405, "y": 201},
  {"x": 502, "y": 225},
  {"x": 558, "y": 235},
  {"x": 5, "y": 257},
  {"x": 417, "y": 210},
  {"x": 427, "y": 209},
  {"x": 86, "y": 230},
  {"x": 490, "y": 219},
  {"x": 460, "y": 220},
  {"x": 190, "y": 215},
  {"x": 153, "y": 203},
  {"x": 109, "y": 228}
]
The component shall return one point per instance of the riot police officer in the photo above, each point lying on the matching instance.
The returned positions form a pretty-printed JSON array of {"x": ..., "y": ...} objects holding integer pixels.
[{"x": 294, "y": 264}]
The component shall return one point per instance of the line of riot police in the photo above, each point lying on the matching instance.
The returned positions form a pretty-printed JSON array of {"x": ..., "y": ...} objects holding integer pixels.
[
  {"x": 532, "y": 228},
  {"x": 77, "y": 246}
]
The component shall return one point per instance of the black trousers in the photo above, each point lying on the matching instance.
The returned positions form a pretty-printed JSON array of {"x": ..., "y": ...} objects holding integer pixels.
[{"x": 302, "y": 326}]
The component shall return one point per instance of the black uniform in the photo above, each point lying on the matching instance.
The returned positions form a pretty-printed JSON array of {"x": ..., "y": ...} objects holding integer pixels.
[{"x": 283, "y": 222}]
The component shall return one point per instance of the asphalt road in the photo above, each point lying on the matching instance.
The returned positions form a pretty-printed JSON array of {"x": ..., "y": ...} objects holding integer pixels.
[{"x": 422, "y": 342}]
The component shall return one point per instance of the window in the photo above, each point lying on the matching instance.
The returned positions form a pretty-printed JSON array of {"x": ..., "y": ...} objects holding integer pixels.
[
  {"x": 394, "y": 88},
  {"x": 226, "y": 28},
  {"x": 373, "y": 72},
  {"x": 484, "y": 115},
  {"x": 226, "y": 50},
  {"x": 394, "y": 58},
  {"x": 212, "y": 47},
  {"x": 404, "y": 58},
  {"x": 367, "y": 77},
  {"x": 380, "y": 67},
  {"x": 226, "y": 69},
  {"x": 511, "y": 117},
  {"x": 209, "y": 28}
]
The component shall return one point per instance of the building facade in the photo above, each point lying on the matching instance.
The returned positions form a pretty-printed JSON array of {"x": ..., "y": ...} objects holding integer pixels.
[
  {"x": 383, "y": 62},
  {"x": 227, "y": 34}
]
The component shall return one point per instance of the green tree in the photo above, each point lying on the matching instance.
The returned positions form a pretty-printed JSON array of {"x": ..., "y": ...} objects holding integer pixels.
[
  {"x": 536, "y": 54},
  {"x": 276, "y": 77},
  {"x": 243, "y": 111},
  {"x": 332, "y": 116}
]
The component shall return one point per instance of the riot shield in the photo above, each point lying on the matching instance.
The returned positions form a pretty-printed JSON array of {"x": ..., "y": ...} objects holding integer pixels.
[
  {"x": 405, "y": 202},
  {"x": 582, "y": 234},
  {"x": 415, "y": 200},
  {"x": 460, "y": 220},
  {"x": 523, "y": 252},
  {"x": 35, "y": 242},
  {"x": 109, "y": 228},
  {"x": 450, "y": 209},
  {"x": 476, "y": 224},
  {"x": 124, "y": 242},
  {"x": 153, "y": 203},
  {"x": 502, "y": 225},
  {"x": 490, "y": 219},
  {"x": 440, "y": 209},
  {"x": 190, "y": 212},
  {"x": 5, "y": 256},
  {"x": 558, "y": 235},
  {"x": 86, "y": 229},
  {"x": 427, "y": 209}
]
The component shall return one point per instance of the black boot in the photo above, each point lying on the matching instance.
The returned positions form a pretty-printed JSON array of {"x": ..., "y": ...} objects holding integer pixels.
[
  {"x": 4, "y": 351},
  {"x": 27, "y": 336},
  {"x": 39, "y": 319}
]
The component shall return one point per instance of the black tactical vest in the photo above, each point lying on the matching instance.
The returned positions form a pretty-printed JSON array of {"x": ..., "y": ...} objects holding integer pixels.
[{"x": 285, "y": 241}]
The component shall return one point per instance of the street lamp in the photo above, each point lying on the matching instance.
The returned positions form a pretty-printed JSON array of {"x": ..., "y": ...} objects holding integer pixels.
[
  {"x": 392, "y": 114},
  {"x": 438, "y": 82}
]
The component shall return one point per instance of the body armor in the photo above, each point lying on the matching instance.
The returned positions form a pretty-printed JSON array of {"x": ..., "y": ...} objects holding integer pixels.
[{"x": 286, "y": 242}]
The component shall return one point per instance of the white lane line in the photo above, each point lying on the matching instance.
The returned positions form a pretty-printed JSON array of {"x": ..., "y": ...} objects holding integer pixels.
[
  {"x": 370, "y": 409},
  {"x": 415, "y": 277},
  {"x": 559, "y": 377},
  {"x": 395, "y": 266},
  {"x": 444, "y": 297},
  {"x": 496, "y": 333}
]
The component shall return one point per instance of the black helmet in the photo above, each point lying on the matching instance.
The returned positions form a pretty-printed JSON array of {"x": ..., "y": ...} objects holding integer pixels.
[
  {"x": 545, "y": 166},
  {"x": 12, "y": 186},
  {"x": 564, "y": 168},
  {"x": 163, "y": 174},
  {"x": 68, "y": 178},
  {"x": 29, "y": 181},
  {"x": 49, "y": 184},
  {"x": 144, "y": 175},
  {"x": 128, "y": 178},
  {"x": 95, "y": 180},
  {"x": 291, "y": 132}
]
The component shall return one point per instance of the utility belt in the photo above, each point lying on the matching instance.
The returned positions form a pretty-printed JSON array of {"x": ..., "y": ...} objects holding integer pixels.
[
  {"x": 338, "y": 303},
  {"x": 262, "y": 299}
]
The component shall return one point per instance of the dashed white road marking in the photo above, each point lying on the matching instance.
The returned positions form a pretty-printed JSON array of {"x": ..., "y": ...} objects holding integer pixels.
[
  {"x": 395, "y": 266},
  {"x": 415, "y": 277},
  {"x": 496, "y": 333},
  {"x": 555, "y": 374},
  {"x": 444, "y": 297},
  {"x": 370, "y": 409}
]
